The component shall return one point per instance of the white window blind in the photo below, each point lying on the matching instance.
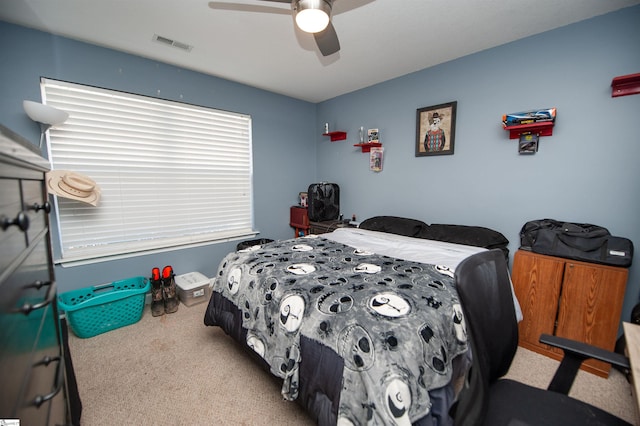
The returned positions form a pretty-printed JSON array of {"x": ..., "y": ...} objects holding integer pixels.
[{"x": 170, "y": 173}]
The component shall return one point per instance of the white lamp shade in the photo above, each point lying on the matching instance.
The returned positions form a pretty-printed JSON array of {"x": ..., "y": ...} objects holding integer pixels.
[
  {"x": 44, "y": 114},
  {"x": 312, "y": 16}
]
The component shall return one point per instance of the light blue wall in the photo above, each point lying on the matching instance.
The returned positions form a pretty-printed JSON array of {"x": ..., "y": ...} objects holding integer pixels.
[
  {"x": 586, "y": 172},
  {"x": 283, "y": 133}
]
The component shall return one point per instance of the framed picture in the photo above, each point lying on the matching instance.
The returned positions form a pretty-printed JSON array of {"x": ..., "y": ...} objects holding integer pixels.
[
  {"x": 373, "y": 136},
  {"x": 435, "y": 129},
  {"x": 303, "y": 199}
]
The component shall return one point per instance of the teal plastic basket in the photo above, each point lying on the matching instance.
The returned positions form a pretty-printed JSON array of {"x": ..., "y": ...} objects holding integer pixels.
[{"x": 95, "y": 310}]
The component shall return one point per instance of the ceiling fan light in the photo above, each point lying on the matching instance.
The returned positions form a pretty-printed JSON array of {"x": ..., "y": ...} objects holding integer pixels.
[{"x": 312, "y": 16}]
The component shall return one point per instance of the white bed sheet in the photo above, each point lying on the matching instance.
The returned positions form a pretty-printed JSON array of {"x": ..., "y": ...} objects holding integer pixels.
[
  {"x": 414, "y": 249},
  {"x": 408, "y": 248}
]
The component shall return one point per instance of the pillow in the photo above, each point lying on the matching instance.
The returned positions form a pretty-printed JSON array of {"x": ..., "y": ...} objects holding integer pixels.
[
  {"x": 468, "y": 235},
  {"x": 394, "y": 225}
]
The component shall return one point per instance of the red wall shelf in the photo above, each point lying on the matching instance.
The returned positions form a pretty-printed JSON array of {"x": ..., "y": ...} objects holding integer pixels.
[
  {"x": 336, "y": 136},
  {"x": 544, "y": 128},
  {"x": 366, "y": 147},
  {"x": 625, "y": 85}
]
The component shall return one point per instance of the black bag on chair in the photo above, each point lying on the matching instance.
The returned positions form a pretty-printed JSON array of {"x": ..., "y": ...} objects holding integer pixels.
[
  {"x": 578, "y": 241},
  {"x": 324, "y": 201}
]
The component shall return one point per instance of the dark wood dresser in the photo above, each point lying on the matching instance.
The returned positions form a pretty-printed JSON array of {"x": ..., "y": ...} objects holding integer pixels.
[{"x": 32, "y": 357}]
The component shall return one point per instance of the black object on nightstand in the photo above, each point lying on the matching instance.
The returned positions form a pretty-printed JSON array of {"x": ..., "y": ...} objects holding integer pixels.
[{"x": 324, "y": 201}]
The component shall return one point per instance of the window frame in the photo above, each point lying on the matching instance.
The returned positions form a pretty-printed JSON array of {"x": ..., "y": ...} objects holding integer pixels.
[{"x": 207, "y": 167}]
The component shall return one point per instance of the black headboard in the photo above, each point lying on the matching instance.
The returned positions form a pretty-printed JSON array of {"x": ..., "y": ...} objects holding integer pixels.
[{"x": 476, "y": 236}]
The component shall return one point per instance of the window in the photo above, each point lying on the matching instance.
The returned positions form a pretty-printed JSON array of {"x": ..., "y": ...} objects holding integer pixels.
[{"x": 170, "y": 174}]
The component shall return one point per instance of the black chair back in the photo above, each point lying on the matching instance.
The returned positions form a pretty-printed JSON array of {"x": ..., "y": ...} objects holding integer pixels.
[{"x": 484, "y": 287}]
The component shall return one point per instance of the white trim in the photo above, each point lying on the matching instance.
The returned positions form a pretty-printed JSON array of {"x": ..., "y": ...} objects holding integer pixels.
[{"x": 79, "y": 261}]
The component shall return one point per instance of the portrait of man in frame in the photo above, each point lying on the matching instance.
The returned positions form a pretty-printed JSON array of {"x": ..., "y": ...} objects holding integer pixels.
[{"x": 435, "y": 129}]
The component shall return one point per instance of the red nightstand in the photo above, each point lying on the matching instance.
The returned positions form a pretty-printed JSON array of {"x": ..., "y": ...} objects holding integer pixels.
[{"x": 299, "y": 220}]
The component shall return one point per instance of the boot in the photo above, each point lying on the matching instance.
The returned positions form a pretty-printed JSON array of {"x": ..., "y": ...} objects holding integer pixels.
[
  {"x": 157, "y": 301},
  {"x": 169, "y": 292}
]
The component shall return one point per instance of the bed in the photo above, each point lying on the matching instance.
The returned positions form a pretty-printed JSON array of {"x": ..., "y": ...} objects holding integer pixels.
[{"x": 362, "y": 325}]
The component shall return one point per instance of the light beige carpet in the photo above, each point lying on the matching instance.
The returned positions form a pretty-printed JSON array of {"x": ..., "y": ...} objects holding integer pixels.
[{"x": 172, "y": 370}]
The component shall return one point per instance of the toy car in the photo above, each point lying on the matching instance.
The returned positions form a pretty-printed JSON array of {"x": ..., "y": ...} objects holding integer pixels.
[{"x": 528, "y": 117}]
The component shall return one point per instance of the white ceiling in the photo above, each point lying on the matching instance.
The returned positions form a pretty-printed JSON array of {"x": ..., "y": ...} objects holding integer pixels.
[{"x": 380, "y": 39}]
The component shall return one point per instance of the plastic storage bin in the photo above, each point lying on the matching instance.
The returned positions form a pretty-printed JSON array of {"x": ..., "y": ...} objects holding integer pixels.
[
  {"x": 193, "y": 288},
  {"x": 95, "y": 310}
]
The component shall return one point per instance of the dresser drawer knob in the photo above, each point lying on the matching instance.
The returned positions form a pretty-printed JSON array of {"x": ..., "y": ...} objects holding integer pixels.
[
  {"x": 21, "y": 221},
  {"x": 46, "y": 207},
  {"x": 27, "y": 308},
  {"x": 57, "y": 385}
]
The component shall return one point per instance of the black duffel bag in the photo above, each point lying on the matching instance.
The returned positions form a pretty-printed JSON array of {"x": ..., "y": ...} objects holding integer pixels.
[{"x": 578, "y": 241}]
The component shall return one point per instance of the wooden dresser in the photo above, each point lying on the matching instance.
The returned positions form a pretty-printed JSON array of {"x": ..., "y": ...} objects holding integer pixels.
[
  {"x": 32, "y": 369},
  {"x": 568, "y": 298}
]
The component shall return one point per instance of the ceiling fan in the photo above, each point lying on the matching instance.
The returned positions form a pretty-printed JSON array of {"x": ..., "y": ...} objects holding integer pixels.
[{"x": 311, "y": 16}]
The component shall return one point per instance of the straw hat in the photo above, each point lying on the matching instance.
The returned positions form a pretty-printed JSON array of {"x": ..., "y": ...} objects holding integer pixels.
[{"x": 72, "y": 185}]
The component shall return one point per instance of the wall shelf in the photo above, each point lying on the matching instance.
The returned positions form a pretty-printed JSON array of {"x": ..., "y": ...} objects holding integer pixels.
[
  {"x": 336, "y": 136},
  {"x": 366, "y": 147},
  {"x": 625, "y": 85},
  {"x": 544, "y": 128}
]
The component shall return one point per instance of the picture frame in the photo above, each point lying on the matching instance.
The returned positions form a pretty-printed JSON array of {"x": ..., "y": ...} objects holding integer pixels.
[
  {"x": 435, "y": 129},
  {"x": 373, "y": 136},
  {"x": 303, "y": 199}
]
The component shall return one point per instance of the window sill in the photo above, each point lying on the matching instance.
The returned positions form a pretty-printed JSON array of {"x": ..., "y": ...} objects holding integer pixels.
[{"x": 72, "y": 261}]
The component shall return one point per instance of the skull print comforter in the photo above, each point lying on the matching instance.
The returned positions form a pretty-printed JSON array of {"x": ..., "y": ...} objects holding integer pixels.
[{"x": 361, "y": 338}]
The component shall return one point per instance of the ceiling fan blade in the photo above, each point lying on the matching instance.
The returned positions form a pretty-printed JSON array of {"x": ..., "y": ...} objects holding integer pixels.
[
  {"x": 327, "y": 40},
  {"x": 241, "y": 7},
  {"x": 279, "y": 1},
  {"x": 345, "y": 6}
]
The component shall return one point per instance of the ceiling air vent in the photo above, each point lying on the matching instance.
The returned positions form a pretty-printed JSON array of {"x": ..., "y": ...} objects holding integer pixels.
[{"x": 172, "y": 43}]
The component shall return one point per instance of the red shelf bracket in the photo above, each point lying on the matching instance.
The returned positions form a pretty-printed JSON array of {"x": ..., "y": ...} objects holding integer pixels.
[
  {"x": 336, "y": 136},
  {"x": 625, "y": 85},
  {"x": 544, "y": 128},
  {"x": 366, "y": 147}
]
